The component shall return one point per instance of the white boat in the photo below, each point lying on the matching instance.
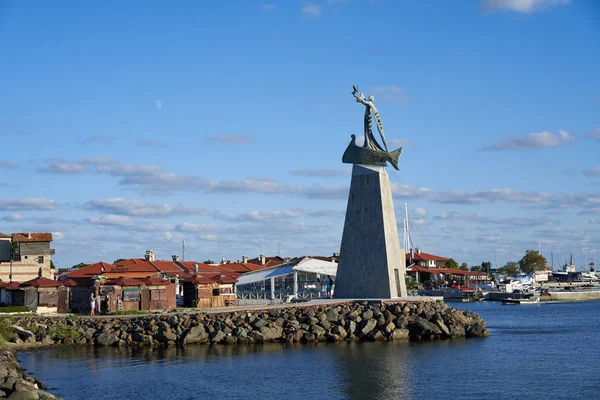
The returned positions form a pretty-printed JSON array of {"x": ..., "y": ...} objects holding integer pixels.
[{"x": 533, "y": 300}]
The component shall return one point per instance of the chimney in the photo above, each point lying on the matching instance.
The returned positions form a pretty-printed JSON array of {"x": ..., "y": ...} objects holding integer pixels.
[
  {"x": 263, "y": 259},
  {"x": 196, "y": 268},
  {"x": 223, "y": 260},
  {"x": 29, "y": 235},
  {"x": 418, "y": 251},
  {"x": 149, "y": 255},
  {"x": 244, "y": 259},
  {"x": 175, "y": 257},
  {"x": 412, "y": 254}
]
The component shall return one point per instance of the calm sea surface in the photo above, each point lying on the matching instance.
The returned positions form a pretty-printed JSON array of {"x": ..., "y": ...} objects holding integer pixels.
[{"x": 546, "y": 351}]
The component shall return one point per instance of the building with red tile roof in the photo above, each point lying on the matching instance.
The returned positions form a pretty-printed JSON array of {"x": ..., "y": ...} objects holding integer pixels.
[
  {"x": 417, "y": 257},
  {"x": 25, "y": 256}
]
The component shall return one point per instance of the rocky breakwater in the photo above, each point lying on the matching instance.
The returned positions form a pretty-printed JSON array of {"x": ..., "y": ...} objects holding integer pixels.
[
  {"x": 14, "y": 385},
  {"x": 337, "y": 322}
]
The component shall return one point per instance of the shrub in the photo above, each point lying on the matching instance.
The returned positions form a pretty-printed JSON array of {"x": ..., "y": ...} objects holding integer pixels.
[
  {"x": 6, "y": 331},
  {"x": 13, "y": 309},
  {"x": 63, "y": 331}
]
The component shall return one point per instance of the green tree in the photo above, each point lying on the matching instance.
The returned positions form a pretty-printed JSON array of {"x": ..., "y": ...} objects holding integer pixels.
[
  {"x": 510, "y": 268},
  {"x": 80, "y": 265},
  {"x": 450, "y": 263},
  {"x": 486, "y": 266},
  {"x": 532, "y": 261},
  {"x": 464, "y": 267},
  {"x": 119, "y": 260},
  {"x": 476, "y": 268},
  {"x": 52, "y": 266},
  {"x": 209, "y": 261}
]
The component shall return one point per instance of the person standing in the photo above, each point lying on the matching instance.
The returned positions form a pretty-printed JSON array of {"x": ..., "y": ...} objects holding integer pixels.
[
  {"x": 329, "y": 286},
  {"x": 92, "y": 304}
]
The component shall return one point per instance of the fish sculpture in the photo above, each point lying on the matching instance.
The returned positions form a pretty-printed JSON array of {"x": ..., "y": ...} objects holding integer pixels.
[{"x": 371, "y": 152}]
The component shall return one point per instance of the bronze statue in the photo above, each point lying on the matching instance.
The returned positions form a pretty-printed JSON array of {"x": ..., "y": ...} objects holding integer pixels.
[{"x": 371, "y": 152}]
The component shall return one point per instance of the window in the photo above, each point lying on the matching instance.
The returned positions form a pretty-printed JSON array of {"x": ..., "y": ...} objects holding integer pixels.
[{"x": 40, "y": 259}]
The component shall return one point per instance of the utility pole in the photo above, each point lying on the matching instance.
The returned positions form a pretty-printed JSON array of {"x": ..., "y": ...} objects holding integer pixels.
[
  {"x": 182, "y": 249},
  {"x": 278, "y": 249},
  {"x": 540, "y": 247}
]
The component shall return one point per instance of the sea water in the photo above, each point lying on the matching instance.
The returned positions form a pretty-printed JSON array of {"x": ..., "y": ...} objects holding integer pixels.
[{"x": 534, "y": 352}]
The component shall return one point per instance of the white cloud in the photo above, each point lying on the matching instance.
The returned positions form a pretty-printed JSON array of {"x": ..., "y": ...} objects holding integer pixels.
[
  {"x": 112, "y": 220},
  {"x": 136, "y": 209},
  {"x": 268, "y": 7},
  {"x": 158, "y": 104},
  {"x": 521, "y": 6},
  {"x": 595, "y": 134},
  {"x": 400, "y": 143},
  {"x": 312, "y": 10},
  {"x": 63, "y": 167},
  {"x": 12, "y": 218},
  {"x": 420, "y": 212},
  {"x": 392, "y": 93},
  {"x": 533, "y": 141},
  {"x": 31, "y": 204},
  {"x": 494, "y": 220}
]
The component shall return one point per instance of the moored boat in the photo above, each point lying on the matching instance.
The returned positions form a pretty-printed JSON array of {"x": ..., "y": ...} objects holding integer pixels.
[{"x": 532, "y": 300}]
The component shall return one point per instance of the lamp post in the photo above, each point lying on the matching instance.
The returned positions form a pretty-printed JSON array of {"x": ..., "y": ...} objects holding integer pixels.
[{"x": 11, "y": 260}]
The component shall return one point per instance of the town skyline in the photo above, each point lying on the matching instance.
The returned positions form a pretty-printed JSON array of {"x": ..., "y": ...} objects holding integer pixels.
[{"x": 135, "y": 127}]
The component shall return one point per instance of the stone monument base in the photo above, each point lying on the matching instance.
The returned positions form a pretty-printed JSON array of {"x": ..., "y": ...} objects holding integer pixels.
[{"x": 371, "y": 264}]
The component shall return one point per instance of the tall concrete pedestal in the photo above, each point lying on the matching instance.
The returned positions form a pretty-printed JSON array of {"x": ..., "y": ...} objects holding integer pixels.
[{"x": 371, "y": 264}]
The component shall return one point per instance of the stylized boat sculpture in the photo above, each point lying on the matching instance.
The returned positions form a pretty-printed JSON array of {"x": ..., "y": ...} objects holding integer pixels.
[{"x": 371, "y": 152}]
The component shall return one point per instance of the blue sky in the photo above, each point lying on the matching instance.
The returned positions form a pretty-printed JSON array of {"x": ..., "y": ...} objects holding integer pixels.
[{"x": 128, "y": 126}]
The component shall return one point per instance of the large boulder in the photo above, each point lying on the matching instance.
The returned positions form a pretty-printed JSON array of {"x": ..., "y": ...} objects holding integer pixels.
[
  {"x": 196, "y": 334},
  {"x": 421, "y": 327},
  {"x": 399, "y": 334},
  {"x": 217, "y": 337},
  {"x": 107, "y": 339},
  {"x": 271, "y": 332},
  {"x": 367, "y": 326},
  {"x": 23, "y": 334}
]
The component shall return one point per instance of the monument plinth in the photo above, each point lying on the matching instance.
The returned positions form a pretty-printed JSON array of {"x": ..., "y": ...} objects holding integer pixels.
[{"x": 371, "y": 264}]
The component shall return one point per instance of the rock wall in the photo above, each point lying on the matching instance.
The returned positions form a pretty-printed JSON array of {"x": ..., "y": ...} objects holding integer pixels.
[
  {"x": 14, "y": 385},
  {"x": 336, "y": 322}
]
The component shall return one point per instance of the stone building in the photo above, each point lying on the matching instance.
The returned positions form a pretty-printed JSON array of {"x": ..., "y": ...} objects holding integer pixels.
[{"x": 31, "y": 254}]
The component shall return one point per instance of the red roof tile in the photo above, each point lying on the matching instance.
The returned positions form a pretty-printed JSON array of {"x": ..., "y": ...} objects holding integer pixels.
[
  {"x": 155, "y": 281},
  {"x": 42, "y": 282},
  {"x": 125, "y": 282},
  {"x": 167, "y": 266},
  {"x": 144, "y": 266},
  {"x": 91, "y": 270},
  {"x": 425, "y": 257},
  {"x": 32, "y": 237}
]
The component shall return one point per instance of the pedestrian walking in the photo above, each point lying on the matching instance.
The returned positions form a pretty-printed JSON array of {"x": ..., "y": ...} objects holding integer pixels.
[{"x": 92, "y": 304}]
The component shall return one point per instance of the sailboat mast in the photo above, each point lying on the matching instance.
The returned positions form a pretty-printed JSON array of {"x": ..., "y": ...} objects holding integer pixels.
[{"x": 585, "y": 260}]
